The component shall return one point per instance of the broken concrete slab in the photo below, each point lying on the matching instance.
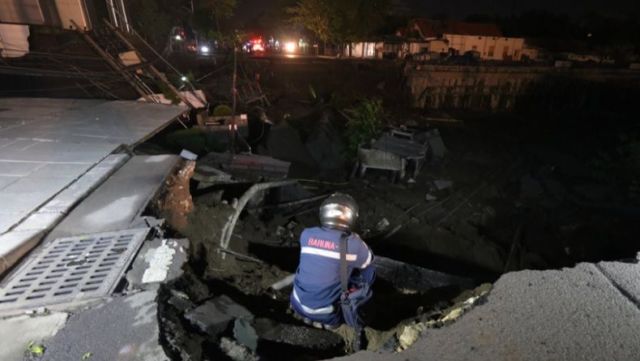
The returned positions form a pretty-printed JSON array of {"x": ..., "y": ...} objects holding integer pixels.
[
  {"x": 571, "y": 314},
  {"x": 214, "y": 316},
  {"x": 120, "y": 200},
  {"x": 123, "y": 328},
  {"x": 245, "y": 334},
  {"x": 180, "y": 301},
  {"x": 236, "y": 352},
  {"x": 300, "y": 336},
  {"x": 158, "y": 261},
  {"x": 88, "y": 182},
  {"x": 15, "y": 244},
  {"x": 17, "y": 332}
]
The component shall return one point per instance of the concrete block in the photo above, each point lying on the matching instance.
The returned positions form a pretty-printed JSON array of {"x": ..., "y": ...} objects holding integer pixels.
[
  {"x": 245, "y": 334},
  {"x": 15, "y": 244},
  {"x": 158, "y": 261},
  {"x": 214, "y": 316},
  {"x": 40, "y": 221}
]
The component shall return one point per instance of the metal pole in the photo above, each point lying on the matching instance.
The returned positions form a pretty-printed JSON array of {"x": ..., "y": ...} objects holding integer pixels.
[
  {"x": 234, "y": 93},
  {"x": 113, "y": 63},
  {"x": 124, "y": 17},
  {"x": 152, "y": 68}
]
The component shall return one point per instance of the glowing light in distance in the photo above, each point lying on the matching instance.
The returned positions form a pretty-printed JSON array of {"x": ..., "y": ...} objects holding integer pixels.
[{"x": 290, "y": 47}]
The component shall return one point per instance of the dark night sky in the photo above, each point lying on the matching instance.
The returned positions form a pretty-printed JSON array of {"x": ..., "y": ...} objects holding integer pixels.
[{"x": 462, "y": 8}]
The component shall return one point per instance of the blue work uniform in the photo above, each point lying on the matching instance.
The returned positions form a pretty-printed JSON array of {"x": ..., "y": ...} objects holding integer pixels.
[{"x": 317, "y": 288}]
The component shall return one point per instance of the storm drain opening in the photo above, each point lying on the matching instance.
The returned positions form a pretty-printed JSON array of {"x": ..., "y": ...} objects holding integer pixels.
[{"x": 72, "y": 269}]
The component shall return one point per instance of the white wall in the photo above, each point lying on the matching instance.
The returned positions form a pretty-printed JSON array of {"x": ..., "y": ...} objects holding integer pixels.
[
  {"x": 14, "y": 40},
  {"x": 490, "y": 47},
  {"x": 365, "y": 50}
]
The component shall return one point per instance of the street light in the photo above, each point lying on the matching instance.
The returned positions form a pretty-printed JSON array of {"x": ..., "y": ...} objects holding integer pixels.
[{"x": 178, "y": 37}]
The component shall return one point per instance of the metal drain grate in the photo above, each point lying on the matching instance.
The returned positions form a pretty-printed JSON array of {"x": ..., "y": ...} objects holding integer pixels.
[{"x": 72, "y": 269}]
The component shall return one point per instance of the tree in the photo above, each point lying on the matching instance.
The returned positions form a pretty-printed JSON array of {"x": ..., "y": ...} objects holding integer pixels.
[
  {"x": 216, "y": 10},
  {"x": 315, "y": 15},
  {"x": 150, "y": 21},
  {"x": 340, "y": 21}
]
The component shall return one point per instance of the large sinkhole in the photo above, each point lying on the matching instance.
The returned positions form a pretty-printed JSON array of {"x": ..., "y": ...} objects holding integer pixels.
[{"x": 496, "y": 204}]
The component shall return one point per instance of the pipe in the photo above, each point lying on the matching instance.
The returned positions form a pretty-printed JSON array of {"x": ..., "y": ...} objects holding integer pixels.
[{"x": 227, "y": 231}]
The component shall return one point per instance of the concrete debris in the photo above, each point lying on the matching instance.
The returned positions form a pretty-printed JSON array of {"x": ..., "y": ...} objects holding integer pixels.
[
  {"x": 180, "y": 301},
  {"x": 214, "y": 316},
  {"x": 281, "y": 231},
  {"x": 245, "y": 334},
  {"x": 430, "y": 197},
  {"x": 410, "y": 334},
  {"x": 188, "y": 155},
  {"x": 235, "y": 351},
  {"x": 300, "y": 336},
  {"x": 442, "y": 184},
  {"x": 159, "y": 261},
  {"x": 383, "y": 224}
]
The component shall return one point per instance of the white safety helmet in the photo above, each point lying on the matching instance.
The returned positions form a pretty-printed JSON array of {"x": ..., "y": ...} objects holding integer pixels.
[{"x": 339, "y": 211}]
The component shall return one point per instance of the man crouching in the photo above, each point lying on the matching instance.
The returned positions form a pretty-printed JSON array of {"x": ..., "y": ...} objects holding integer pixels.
[{"x": 335, "y": 273}]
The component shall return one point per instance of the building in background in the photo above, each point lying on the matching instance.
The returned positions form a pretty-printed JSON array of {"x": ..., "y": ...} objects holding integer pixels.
[{"x": 458, "y": 38}]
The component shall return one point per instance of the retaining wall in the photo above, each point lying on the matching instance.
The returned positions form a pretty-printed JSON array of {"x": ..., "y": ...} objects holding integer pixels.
[{"x": 501, "y": 88}]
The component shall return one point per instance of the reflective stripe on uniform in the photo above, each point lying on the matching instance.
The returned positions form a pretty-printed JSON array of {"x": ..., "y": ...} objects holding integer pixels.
[
  {"x": 368, "y": 261},
  {"x": 312, "y": 311},
  {"x": 326, "y": 253}
]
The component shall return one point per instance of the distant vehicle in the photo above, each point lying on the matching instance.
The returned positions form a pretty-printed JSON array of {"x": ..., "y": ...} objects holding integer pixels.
[{"x": 255, "y": 46}]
